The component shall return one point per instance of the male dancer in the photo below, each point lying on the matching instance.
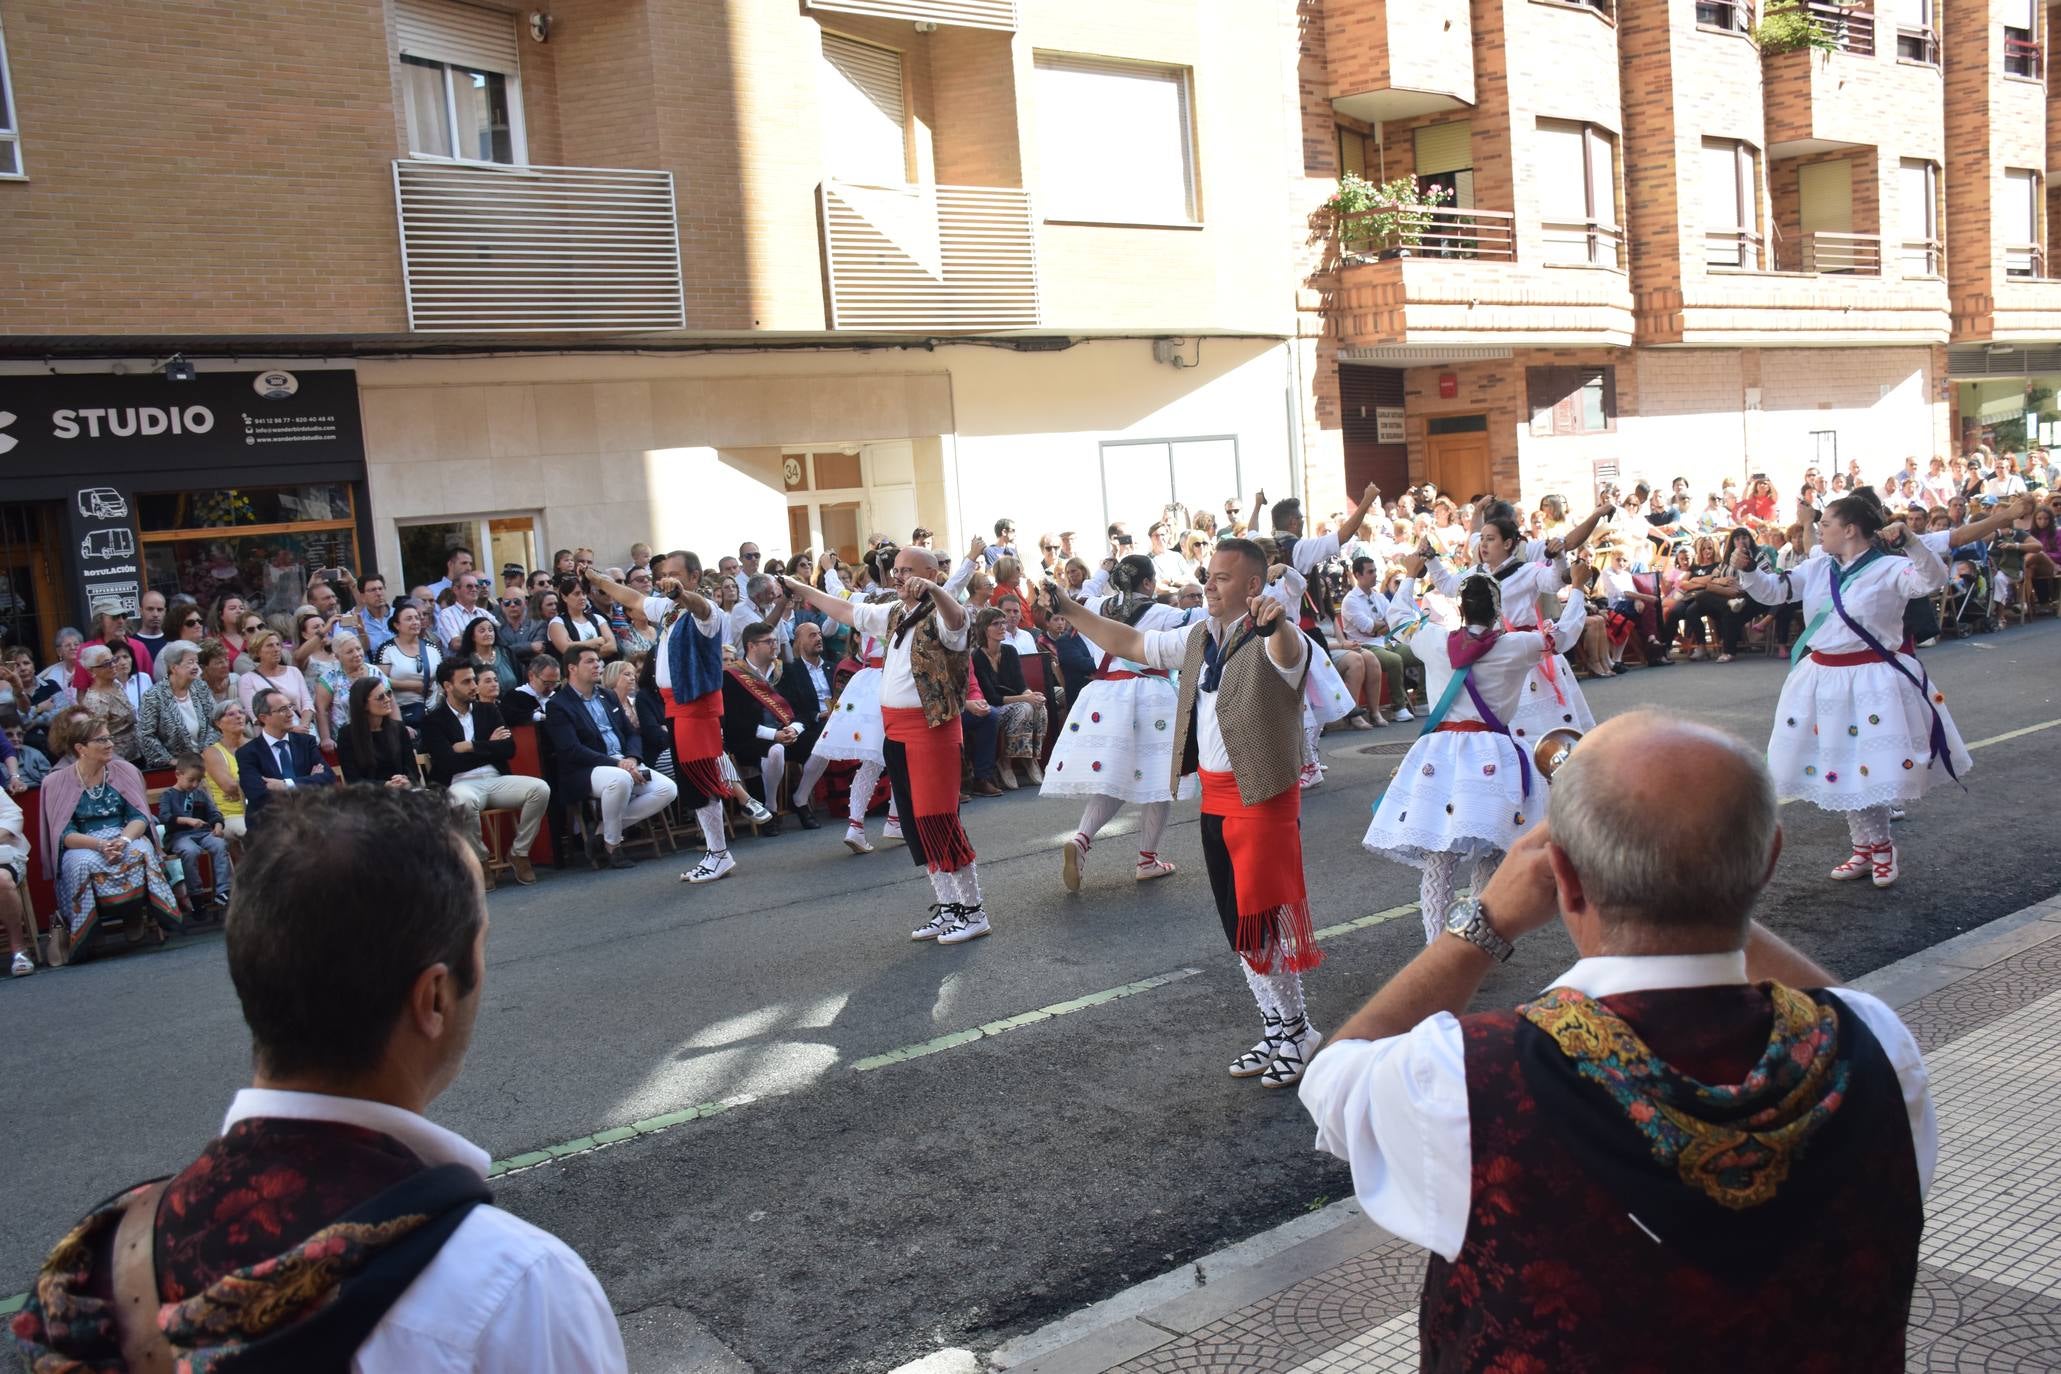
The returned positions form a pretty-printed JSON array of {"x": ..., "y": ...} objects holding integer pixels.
[
  {"x": 1239, "y": 724},
  {"x": 922, "y": 692},
  {"x": 690, "y": 682}
]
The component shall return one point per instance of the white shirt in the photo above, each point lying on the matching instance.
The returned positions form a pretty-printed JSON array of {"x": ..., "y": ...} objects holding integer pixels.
[
  {"x": 820, "y": 680},
  {"x": 897, "y": 676},
  {"x": 14, "y": 835},
  {"x": 744, "y": 614},
  {"x": 1396, "y": 1109},
  {"x": 656, "y": 609},
  {"x": 1875, "y": 598},
  {"x": 1022, "y": 642},
  {"x": 1170, "y": 569},
  {"x": 452, "y": 620},
  {"x": 501, "y": 1297},
  {"x": 1168, "y": 650},
  {"x": 485, "y": 771},
  {"x": 1365, "y": 615},
  {"x": 1305, "y": 554}
]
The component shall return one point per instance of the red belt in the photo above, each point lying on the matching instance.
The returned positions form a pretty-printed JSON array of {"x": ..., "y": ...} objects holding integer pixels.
[
  {"x": 1125, "y": 675},
  {"x": 1852, "y": 660},
  {"x": 876, "y": 663},
  {"x": 1463, "y": 727}
]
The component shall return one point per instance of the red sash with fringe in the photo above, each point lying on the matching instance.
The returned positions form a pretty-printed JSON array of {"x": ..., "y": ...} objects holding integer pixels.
[
  {"x": 698, "y": 742},
  {"x": 762, "y": 692},
  {"x": 1265, "y": 844},
  {"x": 933, "y": 753}
]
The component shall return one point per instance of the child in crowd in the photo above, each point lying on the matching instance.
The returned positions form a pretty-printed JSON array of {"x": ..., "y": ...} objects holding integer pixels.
[{"x": 193, "y": 826}]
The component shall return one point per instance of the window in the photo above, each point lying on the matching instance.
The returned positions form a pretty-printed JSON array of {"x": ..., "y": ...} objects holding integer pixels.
[
  {"x": 2021, "y": 38},
  {"x": 865, "y": 121},
  {"x": 1572, "y": 400},
  {"x": 1735, "y": 16},
  {"x": 10, "y": 132},
  {"x": 1141, "y": 477},
  {"x": 1731, "y": 213},
  {"x": 207, "y": 542},
  {"x": 1114, "y": 142},
  {"x": 1356, "y": 154},
  {"x": 2018, "y": 224},
  {"x": 460, "y": 81},
  {"x": 1577, "y": 193},
  {"x": 1917, "y": 191},
  {"x": 1916, "y": 39}
]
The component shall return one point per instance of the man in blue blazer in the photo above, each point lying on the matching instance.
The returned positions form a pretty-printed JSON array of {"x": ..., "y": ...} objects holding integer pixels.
[
  {"x": 276, "y": 759},
  {"x": 595, "y": 753}
]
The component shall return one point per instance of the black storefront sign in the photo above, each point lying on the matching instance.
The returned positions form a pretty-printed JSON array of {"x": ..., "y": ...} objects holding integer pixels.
[{"x": 93, "y": 441}]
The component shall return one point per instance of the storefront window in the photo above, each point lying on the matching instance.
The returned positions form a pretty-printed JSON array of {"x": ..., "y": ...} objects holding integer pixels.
[
  {"x": 2005, "y": 413},
  {"x": 263, "y": 543}
]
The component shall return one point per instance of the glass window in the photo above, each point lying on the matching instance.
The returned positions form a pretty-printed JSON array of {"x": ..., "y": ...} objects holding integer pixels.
[
  {"x": 429, "y": 115},
  {"x": 2018, "y": 223},
  {"x": 263, "y": 543},
  {"x": 457, "y": 112},
  {"x": 1577, "y": 193},
  {"x": 10, "y": 132},
  {"x": 865, "y": 124},
  {"x": 1571, "y": 400},
  {"x": 163, "y": 512},
  {"x": 1115, "y": 142},
  {"x": 1730, "y": 238},
  {"x": 1917, "y": 188},
  {"x": 481, "y": 102}
]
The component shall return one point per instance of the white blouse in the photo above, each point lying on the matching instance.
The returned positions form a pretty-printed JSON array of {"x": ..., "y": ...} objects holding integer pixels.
[
  {"x": 1875, "y": 597},
  {"x": 1499, "y": 675}
]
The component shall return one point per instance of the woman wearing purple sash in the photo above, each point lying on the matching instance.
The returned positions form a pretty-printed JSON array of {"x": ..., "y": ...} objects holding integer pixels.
[
  {"x": 1466, "y": 789},
  {"x": 1860, "y": 725}
]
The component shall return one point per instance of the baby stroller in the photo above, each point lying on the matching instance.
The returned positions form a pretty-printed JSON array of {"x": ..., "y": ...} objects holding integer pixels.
[{"x": 1968, "y": 603}]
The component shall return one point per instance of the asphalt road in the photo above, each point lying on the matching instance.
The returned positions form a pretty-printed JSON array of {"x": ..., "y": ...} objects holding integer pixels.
[{"x": 838, "y": 1218}]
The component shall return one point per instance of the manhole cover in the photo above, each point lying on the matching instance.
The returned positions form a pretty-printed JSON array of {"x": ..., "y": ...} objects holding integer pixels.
[{"x": 1386, "y": 750}]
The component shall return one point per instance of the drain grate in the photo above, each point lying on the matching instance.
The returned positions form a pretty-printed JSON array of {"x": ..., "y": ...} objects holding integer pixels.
[{"x": 1387, "y": 751}]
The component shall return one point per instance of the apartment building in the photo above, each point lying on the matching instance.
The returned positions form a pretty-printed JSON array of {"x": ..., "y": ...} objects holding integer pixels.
[
  {"x": 343, "y": 282},
  {"x": 1672, "y": 244}
]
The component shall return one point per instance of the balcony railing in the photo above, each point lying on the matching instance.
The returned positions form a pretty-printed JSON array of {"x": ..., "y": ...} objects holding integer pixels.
[
  {"x": 1734, "y": 249},
  {"x": 1823, "y": 251},
  {"x": 1432, "y": 231},
  {"x": 922, "y": 258},
  {"x": 1918, "y": 45},
  {"x": 537, "y": 249},
  {"x": 2027, "y": 261},
  {"x": 1850, "y": 28},
  {"x": 2022, "y": 55},
  {"x": 965, "y": 14},
  {"x": 1922, "y": 257},
  {"x": 1582, "y": 241}
]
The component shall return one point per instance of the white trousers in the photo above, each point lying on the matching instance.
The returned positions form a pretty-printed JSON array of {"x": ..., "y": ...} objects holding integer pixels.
[
  {"x": 532, "y": 796},
  {"x": 625, "y": 801}
]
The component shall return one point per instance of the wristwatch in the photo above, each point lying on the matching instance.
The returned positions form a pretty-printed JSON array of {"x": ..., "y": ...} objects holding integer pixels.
[{"x": 1468, "y": 919}]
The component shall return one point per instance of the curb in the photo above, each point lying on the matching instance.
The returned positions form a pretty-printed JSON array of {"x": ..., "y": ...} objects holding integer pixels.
[{"x": 1164, "y": 1309}]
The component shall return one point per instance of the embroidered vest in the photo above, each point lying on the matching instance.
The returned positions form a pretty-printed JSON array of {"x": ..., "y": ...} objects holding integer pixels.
[
  {"x": 1561, "y": 1268},
  {"x": 940, "y": 672},
  {"x": 1259, "y": 713},
  {"x": 694, "y": 660}
]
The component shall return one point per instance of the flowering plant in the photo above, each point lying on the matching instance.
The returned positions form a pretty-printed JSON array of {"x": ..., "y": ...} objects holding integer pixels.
[{"x": 1389, "y": 214}]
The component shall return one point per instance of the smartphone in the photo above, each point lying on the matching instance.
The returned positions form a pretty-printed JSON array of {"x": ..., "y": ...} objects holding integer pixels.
[{"x": 1123, "y": 541}]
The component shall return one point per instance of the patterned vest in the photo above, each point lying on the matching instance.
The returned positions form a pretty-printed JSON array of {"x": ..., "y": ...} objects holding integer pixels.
[
  {"x": 1259, "y": 713},
  {"x": 1562, "y": 1268},
  {"x": 940, "y": 672}
]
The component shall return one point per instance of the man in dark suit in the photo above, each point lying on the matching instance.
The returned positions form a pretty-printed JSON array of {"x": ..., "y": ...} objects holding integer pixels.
[
  {"x": 277, "y": 758},
  {"x": 470, "y": 751},
  {"x": 759, "y": 724},
  {"x": 525, "y": 705},
  {"x": 805, "y": 683},
  {"x": 596, "y": 754}
]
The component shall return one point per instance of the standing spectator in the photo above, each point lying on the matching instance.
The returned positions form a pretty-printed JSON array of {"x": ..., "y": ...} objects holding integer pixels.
[
  {"x": 1005, "y": 542},
  {"x": 410, "y": 662},
  {"x": 178, "y": 713},
  {"x": 111, "y": 627},
  {"x": 577, "y": 626},
  {"x": 457, "y": 563},
  {"x": 225, "y": 623},
  {"x": 313, "y": 650},
  {"x": 109, "y": 704},
  {"x": 187, "y": 621},
  {"x": 518, "y": 634},
  {"x": 468, "y": 597},
  {"x": 373, "y": 747},
  {"x": 278, "y": 759},
  {"x": 1684, "y": 1143},
  {"x": 470, "y": 752},
  {"x": 14, "y": 877},
  {"x": 358, "y": 950},
  {"x": 1170, "y": 568},
  {"x": 369, "y": 614},
  {"x": 150, "y": 630},
  {"x": 763, "y": 604},
  {"x": 97, "y": 842},
  {"x": 270, "y": 669},
  {"x": 253, "y": 626},
  {"x": 596, "y": 754},
  {"x": 232, "y": 724},
  {"x": 193, "y": 827}
]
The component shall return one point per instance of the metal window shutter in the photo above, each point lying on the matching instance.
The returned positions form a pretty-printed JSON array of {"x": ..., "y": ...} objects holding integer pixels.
[
  {"x": 462, "y": 35},
  {"x": 1447, "y": 147},
  {"x": 864, "y": 148}
]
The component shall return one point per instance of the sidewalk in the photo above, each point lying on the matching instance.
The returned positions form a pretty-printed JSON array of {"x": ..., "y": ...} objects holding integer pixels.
[{"x": 1986, "y": 1008}]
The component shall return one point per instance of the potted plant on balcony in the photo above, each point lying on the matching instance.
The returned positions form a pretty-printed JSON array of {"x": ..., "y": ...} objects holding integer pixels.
[
  {"x": 1384, "y": 220},
  {"x": 1788, "y": 26}
]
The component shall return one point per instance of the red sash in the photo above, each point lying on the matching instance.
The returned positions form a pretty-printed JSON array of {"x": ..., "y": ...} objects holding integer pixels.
[
  {"x": 763, "y": 693},
  {"x": 1462, "y": 727},
  {"x": 1104, "y": 674},
  {"x": 1264, "y": 842},
  {"x": 1852, "y": 660}
]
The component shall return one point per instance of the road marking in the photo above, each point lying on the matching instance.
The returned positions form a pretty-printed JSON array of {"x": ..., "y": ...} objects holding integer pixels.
[{"x": 1010, "y": 1023}]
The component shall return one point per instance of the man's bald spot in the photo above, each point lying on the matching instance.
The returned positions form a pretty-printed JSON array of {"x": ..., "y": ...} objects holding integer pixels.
[
  {"x": 917, "y": 561},
  {"x": 1646, "y": 755}
]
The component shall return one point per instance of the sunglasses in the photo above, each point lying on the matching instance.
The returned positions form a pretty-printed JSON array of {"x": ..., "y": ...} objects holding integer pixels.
[
  {"x": 386, "y": 695},
  {"x": 193, "y": 620},
  {"x": 511, "y": 601}
]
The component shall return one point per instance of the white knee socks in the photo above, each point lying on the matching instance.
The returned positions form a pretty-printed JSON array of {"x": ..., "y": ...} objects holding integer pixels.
[
  {"x": 1868, "y": 826},
  {"x": 968, "y": 882},
  {"x": 711, "y": 818},
  {"x": 1435, "y": 892},
  {"x": 863, "y": 783},
  {"x": 1152, "y": 825},
  {"x": 812, "y": 773},
  {"x": 1311, "y": 730},
  {"x": 1098, "y": 813}
]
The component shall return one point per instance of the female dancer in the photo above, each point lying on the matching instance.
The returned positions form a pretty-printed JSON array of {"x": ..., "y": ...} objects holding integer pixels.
[
  {"x": 1551, "y": 699},
  {"x": 1466, "y": 790},
  {"x": 1326, "y": 697},
  {"x": 1118, "y": 744},
  {"x": 854, "y": 732},
  {"x": 1859, "y": 726}
]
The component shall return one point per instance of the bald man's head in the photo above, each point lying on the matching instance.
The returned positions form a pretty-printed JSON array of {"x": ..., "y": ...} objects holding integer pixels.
[
  {"x": 914, "y": 562},
  {"x": 1669, "y": 825}
]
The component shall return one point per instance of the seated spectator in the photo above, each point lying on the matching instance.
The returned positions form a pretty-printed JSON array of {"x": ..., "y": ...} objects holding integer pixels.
[
  {"x": 806, "y": 686},
  {"x": 14, "y": 877},
  {"x": 332, "y": 687},
  {"x": 111, "y": 627},
  {"x": 1020, "y": 712},
  {"x": 358, "y": 951},
  {"x": 518, "y": 635},
  {"x": 178, "y": 713},
  {"x": 596, "y": 754},
  {"x": 527, "y": 702},
  {"x": 1693, "y": 1108},
  {"x": 29, "y": 765},
  {"x": 59, "y": 675},
  {"x": 277, "y": 759},
  {"x": 577, "y": 624},
  {"x": 374, "y": 747},
  {"x": 468, "y": 603},
  {"x": 479, "y": 644},
  {"x": 216, "y": 671},
  {"x": 763, "y": 604},
  {"x": 108, "y": 702},
  {"x": 635, "y": 688},
  {"x": 98, "y": 844},
  {"x": 758, "y": 722},
  {"x": 132, "y": 684},
  {"x": 270, "y": 668},
  {"x": 471, "y": 751},
  {"x": 232, "y": 725},
  {"x": 194, "y": 827},
  {"x": 410, "y": 662}
]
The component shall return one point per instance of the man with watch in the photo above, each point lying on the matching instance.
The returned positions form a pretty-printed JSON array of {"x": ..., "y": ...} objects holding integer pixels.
[{"x": 1693, "y": 1148}]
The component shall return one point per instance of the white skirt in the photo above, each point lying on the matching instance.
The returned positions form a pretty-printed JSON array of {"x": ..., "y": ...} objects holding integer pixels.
[
  {"x": 1118, "y": 741},
  {"x": 1455, "y": 792},
  {"x": 1850, "y": 738},
  {"x": 854, "y": 731},
  {"x": 1325, "y": 689},
  {"x": 1540, "y": 710}
]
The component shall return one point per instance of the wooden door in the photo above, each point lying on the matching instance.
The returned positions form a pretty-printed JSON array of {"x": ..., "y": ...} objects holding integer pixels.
[{"x": 1458, "y": 464}]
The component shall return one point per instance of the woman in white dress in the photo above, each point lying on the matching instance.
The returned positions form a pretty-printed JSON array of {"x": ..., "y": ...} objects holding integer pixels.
[
  {"x": 1326, "y": 697},
  {"x": 1860, "y": 727},
  {"x": 1118, "y": 744},
  {"x": 1466, "y": 790},
  {"x": 1552, "y": 699}
]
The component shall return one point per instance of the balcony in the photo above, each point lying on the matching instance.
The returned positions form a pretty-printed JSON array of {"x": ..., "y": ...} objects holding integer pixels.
[
  {"x": 1433, "y": 231},
  {"x": 1848, "y": 28},
  {"x": 1822, "y": 99},
  {"x": 1396, "y": 61},
  {"x": 964, "y": 14},
  {"x": 537, "y": 249},
  {"x": 1826, "y": 288},
  {"x": 929, "y": 259},
  {"x": 1823, "y": 252}
]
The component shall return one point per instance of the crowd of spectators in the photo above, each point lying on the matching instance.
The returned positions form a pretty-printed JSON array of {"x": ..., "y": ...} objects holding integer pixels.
[{"x": 428, "y": 686}]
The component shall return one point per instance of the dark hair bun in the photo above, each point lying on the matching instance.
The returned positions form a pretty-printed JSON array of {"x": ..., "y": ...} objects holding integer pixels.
[{"x": 1132, "y": 571}]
